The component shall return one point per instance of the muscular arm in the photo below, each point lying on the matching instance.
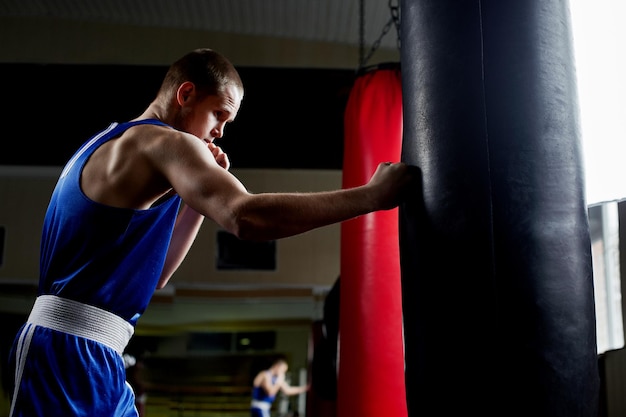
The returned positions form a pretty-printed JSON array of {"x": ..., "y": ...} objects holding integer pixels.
[
  {"x": 289, "y": 390},
  {"x": 186, "y": 229},
  {"x": 215, "y": 193},
  {"x": 264, "y": 380},
  {"x": 147, "y": 162}
]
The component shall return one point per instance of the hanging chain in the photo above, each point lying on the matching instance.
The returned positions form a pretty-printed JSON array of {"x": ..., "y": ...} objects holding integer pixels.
[
  {"x": 395, "y": 15},
  {"x": 362, "y": 33},
  {"x": 394, "y": 9}
]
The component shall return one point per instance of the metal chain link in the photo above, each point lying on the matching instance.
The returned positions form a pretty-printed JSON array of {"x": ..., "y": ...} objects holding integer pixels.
[{"x": 395, "y": 20}]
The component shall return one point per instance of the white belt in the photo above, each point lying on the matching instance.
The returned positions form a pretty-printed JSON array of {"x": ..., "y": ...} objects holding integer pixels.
[
  {"x": 261, "y": 404},
  {"x": 81, "y": 320}
]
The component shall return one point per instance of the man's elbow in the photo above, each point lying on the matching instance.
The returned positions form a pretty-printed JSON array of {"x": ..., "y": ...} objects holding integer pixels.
[{"x": 247, "y": 227}]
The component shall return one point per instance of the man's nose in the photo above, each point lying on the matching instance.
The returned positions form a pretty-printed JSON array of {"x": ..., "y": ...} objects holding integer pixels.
[{"x": 218, "y": 131}]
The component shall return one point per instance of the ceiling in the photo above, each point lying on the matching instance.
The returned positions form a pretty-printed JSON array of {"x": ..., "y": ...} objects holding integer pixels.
[
  {"x": 332, "y": 21},
  {"x": 335, "y": 21}
]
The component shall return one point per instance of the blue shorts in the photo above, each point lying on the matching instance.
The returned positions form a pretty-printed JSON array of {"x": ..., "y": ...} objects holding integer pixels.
[
  {"x": 258, "y": 412},
  {"x": 260, "y": 408},
  {"x": 59, "y": 374}
]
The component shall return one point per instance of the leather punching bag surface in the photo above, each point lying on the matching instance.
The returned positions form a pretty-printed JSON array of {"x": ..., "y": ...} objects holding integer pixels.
[
  {"x": 497, "y": 283},
  {"x": 371, "y": 359}
]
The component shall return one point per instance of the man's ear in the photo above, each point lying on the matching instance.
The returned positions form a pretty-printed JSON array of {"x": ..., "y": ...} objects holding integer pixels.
[{"x": 184, "y": 92}]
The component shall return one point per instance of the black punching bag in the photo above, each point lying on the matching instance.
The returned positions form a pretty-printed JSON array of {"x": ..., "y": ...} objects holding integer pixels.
[{"x": 497, "y": 286}]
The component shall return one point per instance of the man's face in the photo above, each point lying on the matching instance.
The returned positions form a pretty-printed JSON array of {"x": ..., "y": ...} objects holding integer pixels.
[{"x": 206, "y": 118}]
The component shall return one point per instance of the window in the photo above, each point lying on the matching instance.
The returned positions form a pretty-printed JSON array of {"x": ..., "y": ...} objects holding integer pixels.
[
  {"x": 604, "y": 230},
  {"x": 233, "y": 253}
]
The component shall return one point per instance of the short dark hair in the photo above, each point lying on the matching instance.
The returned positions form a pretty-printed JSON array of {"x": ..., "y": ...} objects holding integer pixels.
[
  {"x": 210, "y": 71},
  {"x": 279, "y": 360}
]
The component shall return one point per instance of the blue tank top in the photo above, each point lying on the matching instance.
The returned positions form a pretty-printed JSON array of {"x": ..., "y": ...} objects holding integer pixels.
[
  {"x": 99, "y": 255},
  {"x": 259, "y": 394}
]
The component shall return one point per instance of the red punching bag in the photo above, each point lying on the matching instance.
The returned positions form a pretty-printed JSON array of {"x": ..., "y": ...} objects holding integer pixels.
[{"x": 371, "y": 348}]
